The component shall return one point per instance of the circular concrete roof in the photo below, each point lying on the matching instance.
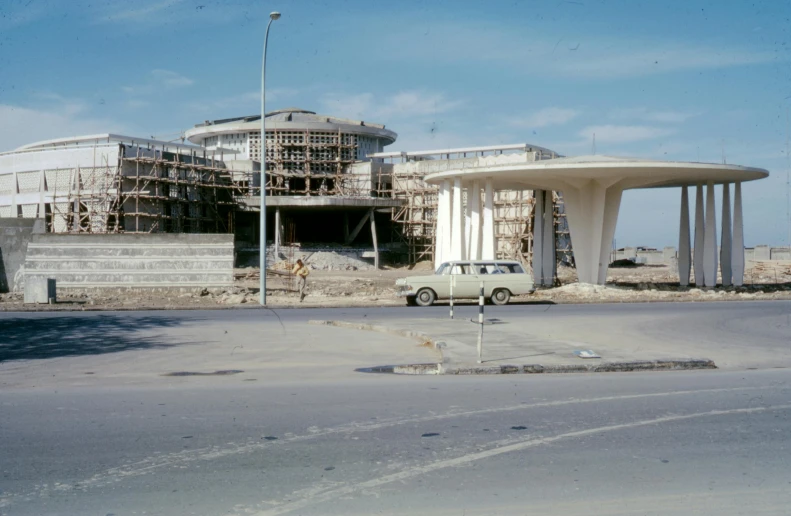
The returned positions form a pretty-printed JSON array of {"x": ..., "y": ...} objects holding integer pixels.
[
  {"x": 295, "y": 119},
  {"x": 560, "y": 173}
]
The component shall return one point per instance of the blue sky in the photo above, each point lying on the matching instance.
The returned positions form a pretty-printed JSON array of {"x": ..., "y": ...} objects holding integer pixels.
[{"x": 679, "y": 80}]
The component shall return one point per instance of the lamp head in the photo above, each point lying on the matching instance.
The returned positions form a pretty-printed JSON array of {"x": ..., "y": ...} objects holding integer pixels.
[{"x": 274, "y": 15}]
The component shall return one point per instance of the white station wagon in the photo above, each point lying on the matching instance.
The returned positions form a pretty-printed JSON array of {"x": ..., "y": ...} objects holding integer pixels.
[{"x": 501, "y": 280}]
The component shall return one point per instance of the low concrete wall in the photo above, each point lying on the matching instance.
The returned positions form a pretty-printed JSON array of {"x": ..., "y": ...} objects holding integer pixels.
[
  {"x": 159, "y": 261},
  {"x": 14, "y": 236},
  {"x": 668, "y": 254}
]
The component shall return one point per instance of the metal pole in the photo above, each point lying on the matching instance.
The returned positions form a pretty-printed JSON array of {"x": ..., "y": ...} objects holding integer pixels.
[
  {"x": 480, "y": 324},
  {"x": 262, "y": 247},
  {"x": 451, "y": 281}
]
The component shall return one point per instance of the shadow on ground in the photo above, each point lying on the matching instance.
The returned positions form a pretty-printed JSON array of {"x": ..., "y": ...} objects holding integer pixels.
[{"x": 52, "y": 337}]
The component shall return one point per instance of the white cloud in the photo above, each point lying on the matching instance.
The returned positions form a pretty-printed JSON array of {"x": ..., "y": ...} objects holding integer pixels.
[
  {"x": 142, "y": 12},
  {"x": 544, "y": 117},
  {"x": 670, "y": 117},
  {"x": 158, "y": 79},
  {"x": 404, "y": 104},
  {"x": 171, "y": 79},
  {"x": 600, "y": 63},
  {"x": 247, "y": 103},
  {"x": 623, "y": 133},
  {"x": 24, "y": 125},
  {"x": 485, "y": 43}
]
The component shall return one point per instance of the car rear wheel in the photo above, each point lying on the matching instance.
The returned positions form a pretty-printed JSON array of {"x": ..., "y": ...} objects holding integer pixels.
[
  {"x": 425, "y": 297},
  {"x": 501, "y": 296}
]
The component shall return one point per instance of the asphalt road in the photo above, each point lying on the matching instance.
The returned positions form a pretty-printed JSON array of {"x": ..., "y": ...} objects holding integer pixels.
[{"x": 704, "y": 442}]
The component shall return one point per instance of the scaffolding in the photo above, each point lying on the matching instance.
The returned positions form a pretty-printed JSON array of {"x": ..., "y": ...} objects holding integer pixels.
[
  {"x": 305, "y": 162},
  {"x": 147, "y": 190}
]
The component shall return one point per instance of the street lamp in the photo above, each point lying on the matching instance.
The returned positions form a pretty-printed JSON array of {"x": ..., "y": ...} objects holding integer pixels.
[{"x": 262, "y": 295}]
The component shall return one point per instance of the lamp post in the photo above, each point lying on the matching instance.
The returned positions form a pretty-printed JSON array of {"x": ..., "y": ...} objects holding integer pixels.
[{"x": 262, "y": 295}]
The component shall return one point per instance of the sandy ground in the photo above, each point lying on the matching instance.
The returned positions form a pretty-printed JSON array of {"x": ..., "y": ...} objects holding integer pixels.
[{"x": 646, "y": 283}]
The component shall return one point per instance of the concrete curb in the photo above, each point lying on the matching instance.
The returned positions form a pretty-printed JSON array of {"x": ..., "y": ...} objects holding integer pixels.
[
  {"x": 442, "y": 368},
  {"x": 420, "y": 337},
  {"x": 606, "y": 367}
]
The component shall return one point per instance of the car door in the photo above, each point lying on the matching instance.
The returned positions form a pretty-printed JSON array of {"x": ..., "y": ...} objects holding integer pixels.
[
  {"x": 489, "y": 273},
  {"x": 467, "y": 282}
]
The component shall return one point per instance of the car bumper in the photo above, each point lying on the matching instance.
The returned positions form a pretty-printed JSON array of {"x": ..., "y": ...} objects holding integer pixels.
[{"x": 402, "y": 291}]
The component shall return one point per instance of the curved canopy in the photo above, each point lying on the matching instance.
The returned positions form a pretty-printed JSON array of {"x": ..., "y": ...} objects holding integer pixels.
[{"x": 627, "y": 173}]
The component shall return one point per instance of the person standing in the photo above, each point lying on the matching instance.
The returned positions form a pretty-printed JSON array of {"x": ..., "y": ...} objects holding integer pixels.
[{"x": 301, "y": 271}]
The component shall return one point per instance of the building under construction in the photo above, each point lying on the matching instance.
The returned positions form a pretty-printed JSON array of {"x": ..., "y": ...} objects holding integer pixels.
[{"x": 326, "y": 179}]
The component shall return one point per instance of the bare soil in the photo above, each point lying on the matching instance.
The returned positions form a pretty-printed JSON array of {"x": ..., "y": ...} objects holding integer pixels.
[{"x": 346, "y": 288}]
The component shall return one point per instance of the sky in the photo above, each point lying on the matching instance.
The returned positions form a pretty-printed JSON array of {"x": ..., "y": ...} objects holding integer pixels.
[{"x": 678, "y": 80}]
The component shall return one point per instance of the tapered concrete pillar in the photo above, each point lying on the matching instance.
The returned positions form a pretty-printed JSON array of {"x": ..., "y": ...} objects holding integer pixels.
[
  {"x": 549, "y": 240},
  {"x": 457, "y": 247},
  {"x": 488, "y": 251},
  {"x": 538, "y": 237},
  {"x": 684, "y": 254},
  {"x": 737, "y": 259},
  {"x": 474, "y": 209},
  {"x": 442, "y": 236},
  {"x": 710, "y": 239},
  {"x": 592, "y": 212},
  {"x": 700, "y": 233},
  {"x": 467, "y": 223},
  {"x": 726, "y": 244}
]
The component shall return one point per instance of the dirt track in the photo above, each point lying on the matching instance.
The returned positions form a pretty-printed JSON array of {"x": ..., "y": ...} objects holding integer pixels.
[{"x": 763, "y": 280}]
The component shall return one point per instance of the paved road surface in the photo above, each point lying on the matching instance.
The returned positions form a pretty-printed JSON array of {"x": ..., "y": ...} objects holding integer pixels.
[
  {"x": 705, "y": 442},
  {"x": 662, "y": 443}
]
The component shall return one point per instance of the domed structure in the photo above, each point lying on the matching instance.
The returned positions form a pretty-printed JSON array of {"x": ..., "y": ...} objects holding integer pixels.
[{"x": 298, "y": 141}]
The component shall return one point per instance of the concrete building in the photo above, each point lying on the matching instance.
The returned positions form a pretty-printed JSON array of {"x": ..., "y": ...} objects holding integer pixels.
[
  {"x": 592, "y": 187},
  {"x": 109, "y": 183}
]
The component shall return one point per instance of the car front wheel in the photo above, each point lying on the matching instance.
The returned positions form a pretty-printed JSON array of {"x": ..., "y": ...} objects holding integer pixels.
[
  {"x": 425, "y": 297},
  {"x": 501, "y": 296}
]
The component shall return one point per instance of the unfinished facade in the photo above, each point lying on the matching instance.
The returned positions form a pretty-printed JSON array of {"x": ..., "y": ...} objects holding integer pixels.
[
  {"x": 415, "y": 221},
  {"x": 113, "y": 184}
]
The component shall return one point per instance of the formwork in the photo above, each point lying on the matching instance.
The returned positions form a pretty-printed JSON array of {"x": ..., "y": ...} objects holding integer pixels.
[
  {"x": 415, "y": 221},
  {"x": 142, "y": 190}
]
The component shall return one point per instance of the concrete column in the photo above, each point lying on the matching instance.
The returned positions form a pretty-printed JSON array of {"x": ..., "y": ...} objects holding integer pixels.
[
  {"x": 684, "y": 254},
  {"x": 277, "y": 233},
  {"x": 592, "y": 212},
  {"x": 700, "y": 230},
  {"x": 549, "y": 240},
  {"x": 457, "y": 246},
  {"x": 474, "y": 208},
  {"x": 710, "y": 239},
  {"x": 443, "y": 224},
  {"x": 538, "y": 237},
  {"x": 374, "y": 239},
  {"x": 488, "y": 251},
  {"x": 467, "y": 225},
  {"x": 726, "y": 244},
  {"x": 41, "y": 188},
  {"x": 737, "y": 260}
]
